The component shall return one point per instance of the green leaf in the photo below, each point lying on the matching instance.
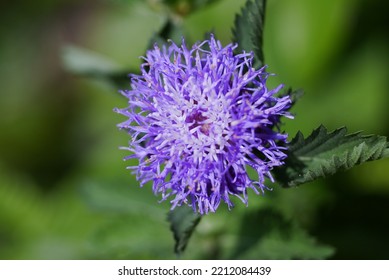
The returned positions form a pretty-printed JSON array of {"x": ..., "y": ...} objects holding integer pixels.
[
  {"x": 322, "y": 154},
  {"x": 93, "y": 65},
  {"x": 183, "y": 222},
  {"x": 248, "y": 30}
]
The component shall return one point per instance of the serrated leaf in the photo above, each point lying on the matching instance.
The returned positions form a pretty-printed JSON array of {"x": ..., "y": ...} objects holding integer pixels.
[
  {"x": 322, "y": 154},
  {"x": 248, "y": 30},
  {"x": 89, "y": 64},
  {"x": 183, "y": 222}
]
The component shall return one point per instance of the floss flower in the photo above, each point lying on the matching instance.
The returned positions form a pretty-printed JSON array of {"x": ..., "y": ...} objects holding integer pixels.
[{"x": 198, "y": 118}]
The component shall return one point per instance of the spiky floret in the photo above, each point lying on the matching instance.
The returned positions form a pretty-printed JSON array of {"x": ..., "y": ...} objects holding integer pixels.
[{"x": 198, "y": 118}]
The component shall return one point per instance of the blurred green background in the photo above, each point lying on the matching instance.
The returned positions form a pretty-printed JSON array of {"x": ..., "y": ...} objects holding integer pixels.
[{"x": 64, "y": 189}]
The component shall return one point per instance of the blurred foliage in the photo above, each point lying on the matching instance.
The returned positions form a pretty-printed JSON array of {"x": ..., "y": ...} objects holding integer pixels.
[
  {"x": 64, "y": 190},
  {"x": 185, "y": 7}
]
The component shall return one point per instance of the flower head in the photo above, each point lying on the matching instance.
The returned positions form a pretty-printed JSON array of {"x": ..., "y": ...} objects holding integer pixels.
[{"x": 198, "y": 118}]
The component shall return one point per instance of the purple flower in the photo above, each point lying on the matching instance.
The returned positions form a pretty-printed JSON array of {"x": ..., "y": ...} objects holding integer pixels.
[{"x": 198, "y": 118}]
